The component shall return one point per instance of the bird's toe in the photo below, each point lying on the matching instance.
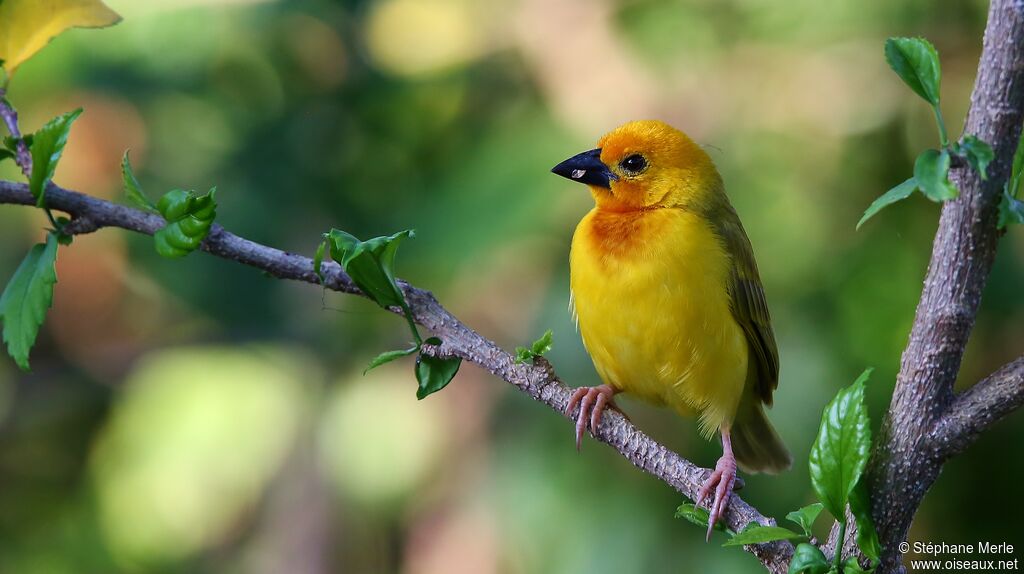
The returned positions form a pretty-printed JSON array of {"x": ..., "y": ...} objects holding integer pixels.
[
  {"x": 721, "y": 482},
  {"x": 592, "y": 402}
]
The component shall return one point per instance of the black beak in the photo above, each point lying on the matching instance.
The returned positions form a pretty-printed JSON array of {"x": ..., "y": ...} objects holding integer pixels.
[{"x": 586, "y": 168}]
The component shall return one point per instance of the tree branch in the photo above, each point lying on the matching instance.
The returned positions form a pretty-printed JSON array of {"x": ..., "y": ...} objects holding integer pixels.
[
  {"x": 906, "y": 462},
  {"x": 538, "y": 380},
  {"x": 978, "y": 408}
]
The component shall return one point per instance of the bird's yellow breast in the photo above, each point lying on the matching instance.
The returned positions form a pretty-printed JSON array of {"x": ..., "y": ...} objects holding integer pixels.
[{"x": 651, "y": 302}]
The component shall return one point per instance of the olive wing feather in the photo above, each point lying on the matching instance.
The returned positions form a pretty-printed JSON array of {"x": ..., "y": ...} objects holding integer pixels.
[{"x": 749, "y": 307}]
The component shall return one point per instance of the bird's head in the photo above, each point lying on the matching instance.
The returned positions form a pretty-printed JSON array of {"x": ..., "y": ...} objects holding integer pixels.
[{"x": 644, "y": 165}]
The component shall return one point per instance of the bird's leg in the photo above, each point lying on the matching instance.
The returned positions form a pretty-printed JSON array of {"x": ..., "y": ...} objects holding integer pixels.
[
  {"x": 592, "y": 401},
  {"x": 721, "y": 481}
]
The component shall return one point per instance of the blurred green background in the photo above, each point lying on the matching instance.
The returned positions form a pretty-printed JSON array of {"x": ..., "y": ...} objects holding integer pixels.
[{"x": 195, "y": 416}]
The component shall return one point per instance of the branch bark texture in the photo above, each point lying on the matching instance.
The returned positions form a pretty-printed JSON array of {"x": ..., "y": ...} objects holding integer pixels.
[{"x": 10, "y": 118}]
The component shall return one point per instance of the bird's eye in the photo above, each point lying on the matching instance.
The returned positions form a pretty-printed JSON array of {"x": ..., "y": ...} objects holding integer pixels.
[{"x": 634, "y": 163}]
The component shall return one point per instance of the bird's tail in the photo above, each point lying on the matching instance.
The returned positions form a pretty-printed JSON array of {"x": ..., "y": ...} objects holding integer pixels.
[{"x": 755, "y": 443}]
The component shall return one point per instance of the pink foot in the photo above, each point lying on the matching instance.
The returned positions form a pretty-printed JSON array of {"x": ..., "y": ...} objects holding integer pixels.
[
  {"x": 592, "y": 401},
  {"x": 721, "y": 482}
]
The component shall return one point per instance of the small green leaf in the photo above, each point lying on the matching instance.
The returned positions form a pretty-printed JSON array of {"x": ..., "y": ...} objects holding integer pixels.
[
  {"x": 758, "y": 534},
  {"x": 841, "y": 450},
  {"x": 898, "y": 193},
  {"x": 537, "y": 349},
  {"x": 189, "y": 219},
  {"x": 26, "y": 298},
  {"x": 806, "y": 516},
  {"x": 370, "y": 264},
  {"x": 6, "y": 154},
  {"x": 1013, "y": 184},
  {"x": 318, "y": 260},
  {"x": 63, "y": 238},
  {"x": 543, "y": 345},
  {"x": 698, "y": 516},
  {"x": 47, "y": 147},
  {"x": 1011, "y": 210},
  {"x": 977, "y": 153},
  {"x": 931, "y": 170},
  {"x": 388, "y": 356},
  {"x": 851, "y": 566},
  {"x": 434, "y": 373},
  {"x": 132, "y": 189},
  {"x": 808, "y": 559},
  {"x": 867, "y": 536},
  {"x": 916, "y": 62}
]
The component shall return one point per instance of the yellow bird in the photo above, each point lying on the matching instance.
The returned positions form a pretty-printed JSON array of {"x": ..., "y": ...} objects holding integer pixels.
[{"x": 667, "y": 297}]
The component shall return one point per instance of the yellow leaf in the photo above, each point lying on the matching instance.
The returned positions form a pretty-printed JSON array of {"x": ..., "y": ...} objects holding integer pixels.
[{"x": 27, "y": 25}]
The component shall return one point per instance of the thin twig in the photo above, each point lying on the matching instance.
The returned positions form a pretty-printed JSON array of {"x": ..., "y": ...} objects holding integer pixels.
[{"x": 10, "y": 117}]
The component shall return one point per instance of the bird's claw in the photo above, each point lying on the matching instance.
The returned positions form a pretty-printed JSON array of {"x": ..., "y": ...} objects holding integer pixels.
[
  {"x": 592, "y": 402},
  {"x": 721, "y": 482}
]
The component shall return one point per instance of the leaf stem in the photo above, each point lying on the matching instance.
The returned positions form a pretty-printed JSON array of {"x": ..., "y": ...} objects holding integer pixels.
[
  {"x": 57, "y": 226},
  {"x": 838, "y": 557},
  {"x": 943, "y": 136},
  {"x": 407, "y": 313}
]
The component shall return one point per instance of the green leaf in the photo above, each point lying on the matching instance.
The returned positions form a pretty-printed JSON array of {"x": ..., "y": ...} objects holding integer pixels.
[
  {"x": 388, "y": 356},
  {"x": 189, "y": 219},
  {"x": 1011, "y": 210},
  {"x": 916, "y": 62},
  {"x": 931, "y": 170},
  {"x": 543, "y": 345},
  {"x": 867, "y": 536},
  {"x": 808, "y": 559},
  {"x": 806, "y": 516},
  {"x": 132, "y": 189},
  {"x": 26, "y": 298},
  {"x": 698, "y": 516},
  {"x": 47, "y": 147},
  {"x": 318, "y": 260},
  {"x": 63, "y": 238},
  {"x": 370, "y": 264},
  {"x": 434, "y": 373},
  {"x": 1013, "y": 184},
  {"x": 841, "y": 450},
  {"x": 758, "y": 534},
  {"x": 977, "y": 153},
  {"x": 6, "y": 154},
  {"x": 898, "y": 193},
  {"x": 851, "y": 566},
  {"x": 537, "y": 349}
]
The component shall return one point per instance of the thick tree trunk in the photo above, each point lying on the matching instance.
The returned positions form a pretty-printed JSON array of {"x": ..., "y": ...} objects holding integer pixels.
[{"x": 907, "y": 459}]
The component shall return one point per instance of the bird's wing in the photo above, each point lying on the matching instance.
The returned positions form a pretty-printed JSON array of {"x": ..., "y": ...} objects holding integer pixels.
[{"x": 748, "y": 303}]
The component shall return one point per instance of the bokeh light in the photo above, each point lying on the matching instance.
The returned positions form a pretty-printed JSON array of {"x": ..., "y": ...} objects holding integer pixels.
[{"x": 195, "y": 440}]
